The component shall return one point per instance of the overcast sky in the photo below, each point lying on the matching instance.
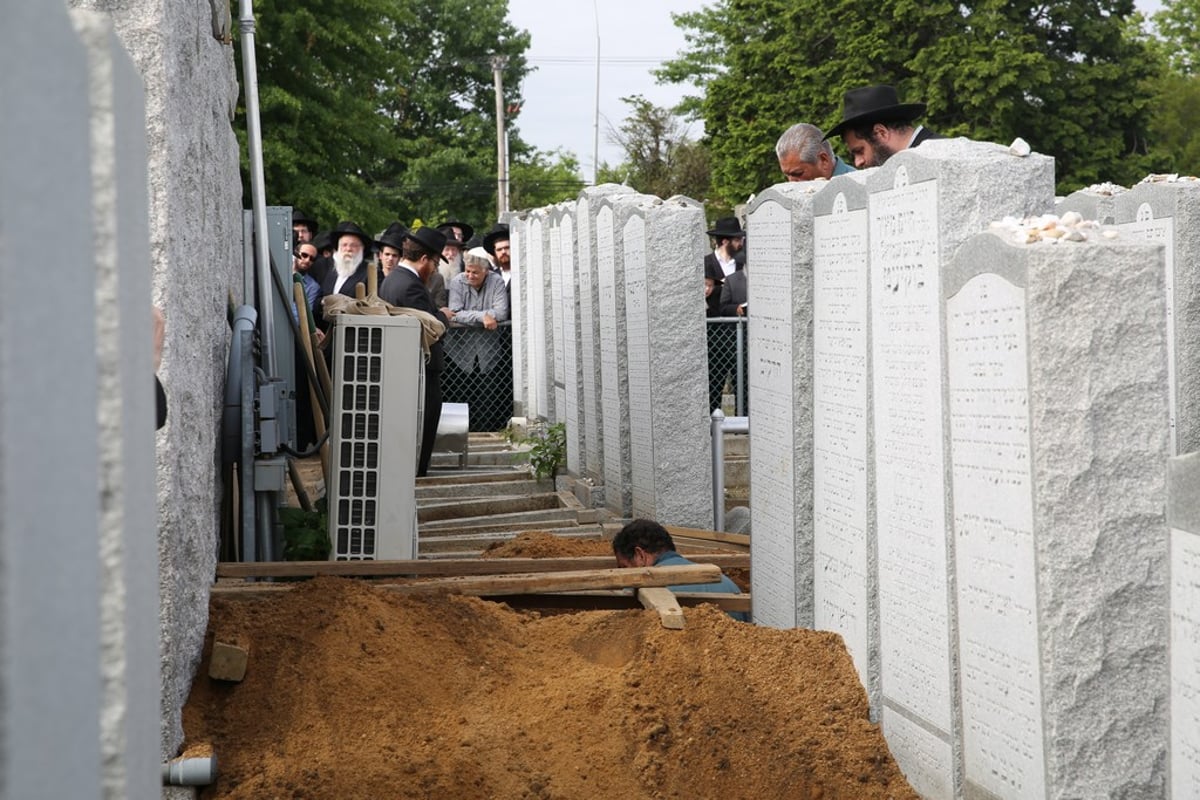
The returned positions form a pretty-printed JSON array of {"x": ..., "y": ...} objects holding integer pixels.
[
  {"x": 635, "y": 37},
  {"x": 560, "y": 94}
]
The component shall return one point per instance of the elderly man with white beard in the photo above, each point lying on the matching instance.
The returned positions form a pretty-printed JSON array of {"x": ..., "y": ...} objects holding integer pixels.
[{"x": 349, "y": 262}]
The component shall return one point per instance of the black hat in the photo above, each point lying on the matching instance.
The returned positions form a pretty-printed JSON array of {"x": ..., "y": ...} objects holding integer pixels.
[
  {"x": 499, "y": 232},
  {"x": 430, "y": 239},
  {"x": 390, "y": 238},
  {"x": 474, "y": 241},
  {"x": 467, "y": 230},
  {"x": 869, "y": 104},
  {"x": 322, "y": 241},
  {"x": 727, "y": 228},
  {"x": 348, "y": 229},
  {"x": 396, "y": 229},
  {"x": 300, "y": 218}
]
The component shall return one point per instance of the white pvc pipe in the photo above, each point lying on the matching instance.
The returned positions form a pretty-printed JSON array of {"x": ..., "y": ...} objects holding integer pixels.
[
  {"x": 190, "y": 771},
  {"x": 258, "y": 192},
  {"x": 720, "y": 426}
]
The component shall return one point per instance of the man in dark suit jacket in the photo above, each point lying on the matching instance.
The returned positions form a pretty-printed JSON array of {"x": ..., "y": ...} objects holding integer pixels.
[
  {"x": 735, "y": 290},
  {"x": 876, "y": 125},
  {"x": 420, "y": 253}
]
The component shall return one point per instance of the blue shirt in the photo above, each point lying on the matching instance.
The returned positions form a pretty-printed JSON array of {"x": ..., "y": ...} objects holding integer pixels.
[
  {"x": 669, "y": 558},
  {"x": 841, "y": 167}
]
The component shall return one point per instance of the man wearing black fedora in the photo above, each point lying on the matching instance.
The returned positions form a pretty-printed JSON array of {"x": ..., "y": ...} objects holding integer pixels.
[
  {"x": 350, "y": 265},
  {"x": 420, "y": 253},
  {"x": 721, "y": 262},
  {"x": 876, "y": 125},
  {"x": 496, "y": 244},
  {"x": 304, "y": 227}
]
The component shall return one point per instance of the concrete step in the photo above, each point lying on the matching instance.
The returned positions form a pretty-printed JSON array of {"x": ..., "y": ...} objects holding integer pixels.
[
  {"x": 472, "y": 544},
  {"x": 477, "y": 490},
  {"x": 444, "y": 509},
  {"x": 480, "y": 458},
  {"x": 522, "y": 520},
  {"x": 472, "y": 476}
]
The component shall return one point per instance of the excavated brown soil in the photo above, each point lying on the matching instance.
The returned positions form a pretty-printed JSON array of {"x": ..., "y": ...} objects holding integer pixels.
[{"x": 353, "y": 691}]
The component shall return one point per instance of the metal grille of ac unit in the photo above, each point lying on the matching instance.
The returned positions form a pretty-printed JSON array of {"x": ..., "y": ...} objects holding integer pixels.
[{"x": 377, "y": 368}]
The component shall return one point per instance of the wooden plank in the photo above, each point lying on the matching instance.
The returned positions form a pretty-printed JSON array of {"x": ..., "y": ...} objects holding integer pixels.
[
  {"x": 613, "y": 600},
  {"x": 447, "y": 566},
  {"x": 740, "y": 539},
  {"x": 528, "y": 583},
  {"x": 662, "y": 600}
]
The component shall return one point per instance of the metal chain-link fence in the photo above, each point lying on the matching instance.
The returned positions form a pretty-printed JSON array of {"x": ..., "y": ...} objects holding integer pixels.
[
  {"x": 479, "y": 372},
  {"x": 727, "y": 362}
]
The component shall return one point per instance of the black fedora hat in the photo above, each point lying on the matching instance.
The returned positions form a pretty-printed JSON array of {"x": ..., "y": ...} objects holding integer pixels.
[
  {"x": 430, "y": 239},
  {"x": 868, "y": 104},
  {"x": 348, "y": 229},
  {"x": 498, "y": 233},
  {"x": 467, "y": 230},
  {"x": 393, "y": 239},
  {"x": 727, "y": 228},
  {"x": 300, "y": 218}
]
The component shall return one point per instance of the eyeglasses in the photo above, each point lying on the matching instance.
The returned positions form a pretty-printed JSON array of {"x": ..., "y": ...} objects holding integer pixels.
[{"x": 305, "y": 256}]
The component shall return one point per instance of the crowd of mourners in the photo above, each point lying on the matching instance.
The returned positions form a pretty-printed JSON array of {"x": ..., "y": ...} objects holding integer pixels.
[{"x": 445, "y": 270}]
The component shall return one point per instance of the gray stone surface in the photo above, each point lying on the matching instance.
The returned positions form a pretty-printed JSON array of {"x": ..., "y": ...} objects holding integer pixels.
[
  {"x": 1183, "y": 517},
  {"x": 779, "y": 233},
  {"x": 51, "y": 697},
  {"x": 540, "y": 327},
  {"x": 195, "y": 219},
  {"x": 518, "y": 312},
  {"x": 1057, "y": 407},
  {"x": 129, "y": 724},
  {"x": 568, "y": 344},
  {"x": 737, "y": 520},
  {"x": 557, "y": 342},
  {"x": 924, "y": 203},
  {"x": 611, "y": 215},
  {"x": 670, "y": 444},
  {"x": 1093, "y": 202},
  {"x": 586, "y": 207},
  {"x": 845, "y": 583},
  {"x": 1168, "y": 213}
]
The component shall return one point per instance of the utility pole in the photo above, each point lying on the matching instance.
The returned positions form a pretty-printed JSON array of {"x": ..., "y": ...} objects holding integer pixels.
[
  {"x": 498, "y": 63},
  {"x": 596, "y": 118}
]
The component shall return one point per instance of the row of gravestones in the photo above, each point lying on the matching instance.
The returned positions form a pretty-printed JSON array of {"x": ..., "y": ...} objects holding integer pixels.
[
  {"x": 959, "y": 461},
  {"x": 964, "y": 443},
  {"x": 609, "y": 338}
]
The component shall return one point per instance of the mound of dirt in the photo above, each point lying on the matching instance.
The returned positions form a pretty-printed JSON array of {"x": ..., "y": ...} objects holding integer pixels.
[
  {"x": 356, "y": 692},
  {"x": 540, "y": 544}
]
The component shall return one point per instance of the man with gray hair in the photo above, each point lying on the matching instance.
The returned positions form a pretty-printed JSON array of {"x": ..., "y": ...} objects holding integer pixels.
[{"x": 805, "y": 155}]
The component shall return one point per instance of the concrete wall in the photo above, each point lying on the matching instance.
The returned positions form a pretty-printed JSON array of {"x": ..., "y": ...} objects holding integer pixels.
[{"x": 184, "y": 53}]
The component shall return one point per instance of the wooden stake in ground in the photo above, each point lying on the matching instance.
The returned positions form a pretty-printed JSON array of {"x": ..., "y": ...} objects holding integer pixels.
[
  {"x": 307, "y": 346},
  {"x": 662, "y": 600}
]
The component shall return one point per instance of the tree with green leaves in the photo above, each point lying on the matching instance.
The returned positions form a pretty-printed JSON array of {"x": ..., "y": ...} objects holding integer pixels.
[
  {"x": 1067, "y": 76},
  {"x": 660, "y": 158},
  {"x": 376, "y": 110}
]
